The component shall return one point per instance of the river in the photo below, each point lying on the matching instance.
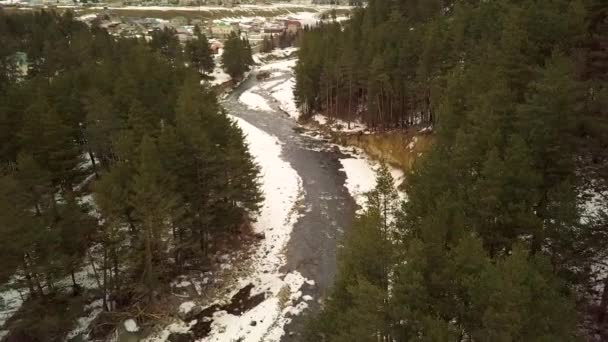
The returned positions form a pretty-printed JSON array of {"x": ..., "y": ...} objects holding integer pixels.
[{"x": 329, "y": 208}]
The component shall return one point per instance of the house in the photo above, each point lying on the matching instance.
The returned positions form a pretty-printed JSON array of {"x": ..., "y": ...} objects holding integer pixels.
[
  {"x": 273, "y": 28},
  {"x": 293, "y": 26},
  {"x": 178, "y": 21},
  {"x": 184, "y": 34},
  {"x": 215, "y": 46},
  {"x": 221, "y": 29}
]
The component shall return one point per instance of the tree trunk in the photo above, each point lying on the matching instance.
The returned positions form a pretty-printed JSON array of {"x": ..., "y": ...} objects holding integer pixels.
[
  {"x": 98, "y": 281},
  {"x": 147, "y": 275},
  {"x": 105, "y": 279},
  {"x": 350, "y": 99},
  {"x": 116, "y": 270},
  {"x": 39, "y": 286},
  {"x": 601, "y": 317},
  {"x": 74, "y": 284},
  {"x": 49, "y": 282},
  {"x": 132, "y": 228},
  {"x": 176, "y": 246},
  {"x": 28, "y": 276},
  {"x": 93, "y": 163}
]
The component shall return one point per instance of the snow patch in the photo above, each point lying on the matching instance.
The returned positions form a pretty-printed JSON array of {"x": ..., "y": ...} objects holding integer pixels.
[
  {"x": 283, "y": 93},
  {"x": 254, "y": 101},
  {"x": 282, "y": 65},
  {"x": 82, "y": 324},
  {"x": 361, "y": 176},
  {"x": 131, "y": 325},
  {"x": 186, "y": 307},
  {"x": 10, "y": 301},
  {"x": 282, "y": 186}
]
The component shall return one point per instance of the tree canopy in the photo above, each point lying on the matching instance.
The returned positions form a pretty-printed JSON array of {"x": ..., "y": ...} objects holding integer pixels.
[{"x": 494, "y": 242}]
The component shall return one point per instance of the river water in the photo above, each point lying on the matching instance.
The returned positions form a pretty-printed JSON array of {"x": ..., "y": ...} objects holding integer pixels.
[{"x": 329, "y": 208}]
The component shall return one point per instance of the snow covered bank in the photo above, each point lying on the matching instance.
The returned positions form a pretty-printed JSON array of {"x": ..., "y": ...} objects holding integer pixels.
[
  {"x": 283, "y": 93},
  {"x": 219, "y": 75},
  {"x": 10, "y": 302},
  {"x": 281, "y": 293},
  {"x": 281, "y": 90},
  {"x": 361, "y": 176},
  {"x": 282, "y": 187},
  {"x": 280, "y": 65},
  {"x": 337, "y": 125},
  {"x": 254, "y": 101},
  {"x": 360, "y": 169}
]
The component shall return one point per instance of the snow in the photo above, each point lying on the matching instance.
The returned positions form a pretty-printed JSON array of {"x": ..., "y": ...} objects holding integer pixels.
[
  {"x": 270, "y": 316},
  {"x": 238, "y": 20},
  {"x": 361, "y": 176},
  {"x": 186, "y": 307},
  {"x": 306, "y": 18},
  {"x": 277, "y": 53},
  {"x": 183, "y": 283},
  {"x": 283, "y": 93},
  {"x": 282, "y": 65},
  {"x": 282, "y": 187},
  {"x": 12, "y": 291},
  {"x": 218, "y": 74},
  {"x": 176, "y": 327},
  {"x": 594, "y": 204},
  {"x": 321, "y": 119},
  {"x": 338, "y": 125},
  {"x": 82, "y": 324},
  {"x": 10, "y": 301},
  {"x": 426, "y": 129},
  {"x": 254, "y": 101},
  {"x": 268, "y": 85},
  {"x": 131, "y": 325},
  {"x": 88, "y": 16}
]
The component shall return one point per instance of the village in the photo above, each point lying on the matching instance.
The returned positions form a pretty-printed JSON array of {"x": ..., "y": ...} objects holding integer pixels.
[{"x": 253, "y": 28}]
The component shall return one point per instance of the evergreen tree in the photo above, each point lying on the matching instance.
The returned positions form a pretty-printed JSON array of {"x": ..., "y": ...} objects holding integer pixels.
[
  {"x": 199, "y": 52},
  {"x": 173, "y": 170},
  {"x": 237, "y": 58},
  {"x": 359, "y": 309},
  {"x": 152, "y": 203},
  {"x": 492, "y": 213}
]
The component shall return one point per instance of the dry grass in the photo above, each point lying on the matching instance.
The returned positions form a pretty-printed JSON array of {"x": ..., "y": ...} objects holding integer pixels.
[{"x": 399, "y": 148}]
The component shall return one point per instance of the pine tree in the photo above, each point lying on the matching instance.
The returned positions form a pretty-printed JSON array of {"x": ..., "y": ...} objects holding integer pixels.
[
  {"x": 199, "y": 52},
  {"x": 101, "y": 122},
  {"x": 359, "y": 309},
  {"x": 59, "y": 151},
  {"x": 35, "y": 183},
  {"x": 237, "y": 57},
  {"x": 75, "y": 227},
  {"x": 152, "y": 204}
]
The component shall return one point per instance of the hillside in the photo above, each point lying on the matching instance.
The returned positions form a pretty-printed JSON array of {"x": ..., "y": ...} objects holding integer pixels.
[{"x": 496, "y": 240}]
